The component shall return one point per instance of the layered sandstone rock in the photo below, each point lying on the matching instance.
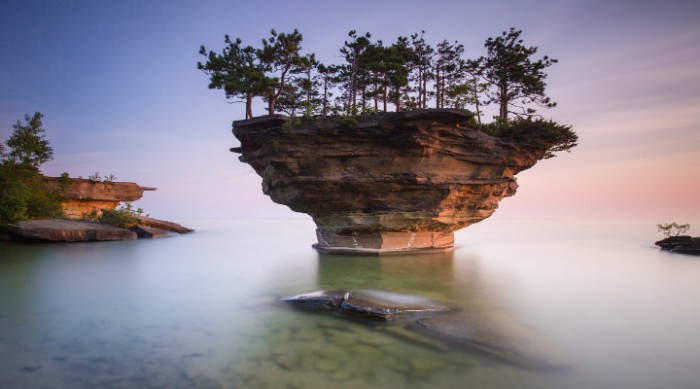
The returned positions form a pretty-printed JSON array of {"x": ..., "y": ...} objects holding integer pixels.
[
  {"x": 55, "y": 230},
  {"x": 83, "y": 196},
  {"x": 384, "y": 183}
]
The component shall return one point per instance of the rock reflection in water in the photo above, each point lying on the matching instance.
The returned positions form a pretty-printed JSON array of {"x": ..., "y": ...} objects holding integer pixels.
[
  {"x": 308, "y": 349},
  {"x": 480, "y": 326}
]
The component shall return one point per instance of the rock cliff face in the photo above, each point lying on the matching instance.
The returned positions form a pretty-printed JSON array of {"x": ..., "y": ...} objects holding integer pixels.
[
  {"x": 82, "y": 196},
  {"x": 384, "y": 183}
]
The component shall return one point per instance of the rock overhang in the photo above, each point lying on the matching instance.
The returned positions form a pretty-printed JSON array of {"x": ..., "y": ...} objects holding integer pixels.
[{"x": 384, "y": 183}]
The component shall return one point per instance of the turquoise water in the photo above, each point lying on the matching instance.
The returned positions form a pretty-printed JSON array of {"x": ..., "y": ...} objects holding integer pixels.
[{"x": 201, "y": 310}]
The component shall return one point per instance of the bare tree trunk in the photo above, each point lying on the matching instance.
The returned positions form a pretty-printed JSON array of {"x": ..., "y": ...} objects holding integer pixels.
[
  {"x": 504, "y": 101},
  {"x": 398, "y": 99},
  {"x": 438, "y": 91},
  {"x": 386, "y": 95},
  {"x": 425, "y": 91},
  {"x": 325, "y": 98},
  {"x": 249, "y": 106}
]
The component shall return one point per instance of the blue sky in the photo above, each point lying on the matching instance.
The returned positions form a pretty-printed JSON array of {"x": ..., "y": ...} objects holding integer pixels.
[{"x": 118, "y": 84}]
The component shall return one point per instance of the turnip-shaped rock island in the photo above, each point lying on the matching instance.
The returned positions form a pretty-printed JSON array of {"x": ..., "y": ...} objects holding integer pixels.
[{"x": 388, "y": 183}]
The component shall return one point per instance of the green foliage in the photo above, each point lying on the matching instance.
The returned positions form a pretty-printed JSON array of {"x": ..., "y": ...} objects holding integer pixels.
[
  {"x": 518, "y": 81},
  {"x": 348, "y": 122},
  {"x": 246, "y": 72},
  {"x": 13, "y": 197},
  {"x": 95, "y": 177},
  {"x": 672, "y": 229},
  {"x": 406, "y": 74},
  {"x": 28, "y": 144},
  {"x": 536, "y": 134},
  {"x": 24, "y": 193},
  {"x": 125, "y": 216}
]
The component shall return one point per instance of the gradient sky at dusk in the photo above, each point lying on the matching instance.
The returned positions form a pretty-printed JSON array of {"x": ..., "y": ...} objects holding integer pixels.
[{"x": 118, "y": 84}]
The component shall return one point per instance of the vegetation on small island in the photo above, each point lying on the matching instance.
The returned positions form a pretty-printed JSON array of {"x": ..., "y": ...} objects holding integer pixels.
[
  {"x": 675, "y": 241},
  {"x": 408, "y": 74},
  {"x": 24, "y": 193},
  {"x": 672, "y": 229},
  {"x": 125, "y": 216},
  {"x": 23, "y": 190}
]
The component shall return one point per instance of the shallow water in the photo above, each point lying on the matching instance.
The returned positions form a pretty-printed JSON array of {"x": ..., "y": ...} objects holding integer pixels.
[{"x": 201, "y": 310}]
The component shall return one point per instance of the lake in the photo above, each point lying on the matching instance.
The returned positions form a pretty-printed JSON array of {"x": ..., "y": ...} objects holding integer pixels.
[{"x": 202, "y": 310}]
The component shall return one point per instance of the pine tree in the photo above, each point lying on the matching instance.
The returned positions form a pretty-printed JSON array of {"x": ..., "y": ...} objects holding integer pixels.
[
  {"x": 281, "y": 58},
  {"x": 421, "y": 69},
  {"x": 236, "y": 70},
  {"x": 517, "y": 81}
]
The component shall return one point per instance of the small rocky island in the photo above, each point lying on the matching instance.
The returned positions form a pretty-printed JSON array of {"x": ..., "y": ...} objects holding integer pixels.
[
  {"x": 682, "y": 244},
  {"x": 83, "y": 197},
  {"x": 385, "y": 183}
]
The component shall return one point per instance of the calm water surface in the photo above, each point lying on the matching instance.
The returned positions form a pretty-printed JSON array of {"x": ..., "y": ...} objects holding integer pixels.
[{"x": 201, "y": 310}]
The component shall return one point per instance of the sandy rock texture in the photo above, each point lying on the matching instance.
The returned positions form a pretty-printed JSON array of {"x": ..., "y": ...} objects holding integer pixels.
[{"x": 384, "y": 183}]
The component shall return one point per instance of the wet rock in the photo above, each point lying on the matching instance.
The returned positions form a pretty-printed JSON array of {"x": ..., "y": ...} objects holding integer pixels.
[
  {"x": 58, "y": 230},
  {"x": 316, "y": 301},
  {"x": 149, "y": 232},
  {"x": 683, "y": 244},
  {"x": 373, "y": 305},
  {"x": 494, "y": 336},
  {"x": 388, "y": 306},
  {"x": 163, "y": 225}
]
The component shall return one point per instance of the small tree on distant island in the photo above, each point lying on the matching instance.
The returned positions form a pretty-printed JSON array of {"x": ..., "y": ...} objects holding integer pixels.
[
  {"x": 23, "y": 191},
  {"x": 673, "y": 229},
  {"x": 517, "y": 80},
  {"x": 28, "y": 144}
]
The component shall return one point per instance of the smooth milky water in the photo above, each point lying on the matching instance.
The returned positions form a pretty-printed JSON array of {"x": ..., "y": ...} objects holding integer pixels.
[{"x": 202, "y": 310}]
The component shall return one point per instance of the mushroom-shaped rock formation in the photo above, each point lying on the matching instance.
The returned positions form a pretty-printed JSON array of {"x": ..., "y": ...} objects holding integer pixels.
[{"x": 384, "y": 183}]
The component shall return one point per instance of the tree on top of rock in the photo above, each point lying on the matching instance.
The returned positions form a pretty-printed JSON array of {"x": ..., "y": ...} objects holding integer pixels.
[
  {"x": 281, "y": 58},
  {"x": 517, "y": 80},
  {"x": 236, "y": 70},
  {"x": 247, "y": 72},
  {"x": 28, "y": 145}
]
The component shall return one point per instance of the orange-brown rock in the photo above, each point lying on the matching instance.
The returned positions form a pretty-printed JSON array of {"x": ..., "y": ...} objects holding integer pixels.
[
  {"x": 384, "y": 183},
  {"x": 83, "y": 196}
]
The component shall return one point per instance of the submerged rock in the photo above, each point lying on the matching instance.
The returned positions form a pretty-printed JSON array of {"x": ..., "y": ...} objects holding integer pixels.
[
  {"x": 323, "y": 300},
  {"x": 496, "y": 336},
  {"x": 434, "y": 325},
  {"x": 388, "y": 306},
  {"x": 368, "y": 304},
  {"x": 55, "y": 230}
]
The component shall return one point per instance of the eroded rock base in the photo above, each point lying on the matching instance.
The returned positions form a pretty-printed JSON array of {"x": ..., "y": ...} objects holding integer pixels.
[{"x": 384, "y": 243}]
